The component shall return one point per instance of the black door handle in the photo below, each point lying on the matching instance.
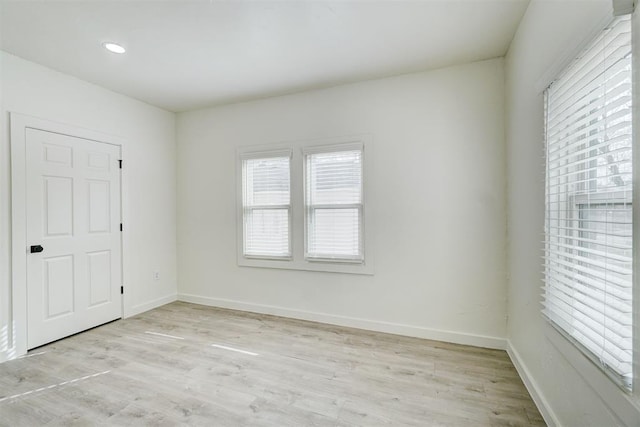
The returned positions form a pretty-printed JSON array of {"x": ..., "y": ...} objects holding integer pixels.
[{"x": 36, "y": 249}]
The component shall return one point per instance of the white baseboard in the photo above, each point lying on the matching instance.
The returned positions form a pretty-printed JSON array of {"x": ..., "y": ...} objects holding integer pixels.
[
  {"x": 150, "y": 305},
  {"x": 352, "y": 322},
  {"x": 532, "y": 387}
]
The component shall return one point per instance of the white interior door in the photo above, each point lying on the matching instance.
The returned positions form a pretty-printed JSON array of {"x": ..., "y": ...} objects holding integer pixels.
[{"x": 73, "y": 213}]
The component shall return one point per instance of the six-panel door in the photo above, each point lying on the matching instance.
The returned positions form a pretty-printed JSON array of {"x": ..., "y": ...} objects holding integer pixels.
[{"x": 73, "y": 212}]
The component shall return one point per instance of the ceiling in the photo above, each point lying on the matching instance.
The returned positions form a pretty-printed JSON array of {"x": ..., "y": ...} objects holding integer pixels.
[{"x": 184, "y": 55}]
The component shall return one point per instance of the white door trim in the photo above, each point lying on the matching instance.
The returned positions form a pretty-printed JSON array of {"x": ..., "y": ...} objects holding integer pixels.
[{"x": 19, "y": 123}]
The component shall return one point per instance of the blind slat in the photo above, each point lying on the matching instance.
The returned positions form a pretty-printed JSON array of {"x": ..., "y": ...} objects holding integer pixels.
[
  {"x": 590, "y": 298},
  {"x": 583, "y": 126},
  {"x": 583, "y": 63},
  {"x": 595, "y": 252}
]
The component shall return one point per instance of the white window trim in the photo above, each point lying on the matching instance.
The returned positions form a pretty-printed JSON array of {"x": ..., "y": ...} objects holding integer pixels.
[
  {"x": 551, "y": 314},
  {"x": 298, "y": 149},
  {"x": 289, "y": 206},
  {"x": 625, "y": 405},
  {"x": 358, "y": 146}
]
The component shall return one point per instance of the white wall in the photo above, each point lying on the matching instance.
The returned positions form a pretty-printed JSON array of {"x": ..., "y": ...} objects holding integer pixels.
[
  {"x": 438, "y": 182},
  {"x": 149, "y": 132},
  {"x": 571, "y": 390}
]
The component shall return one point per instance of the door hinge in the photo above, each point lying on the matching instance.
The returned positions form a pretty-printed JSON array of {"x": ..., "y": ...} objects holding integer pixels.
[
  {"x": 120, "y": 163},
  {"x": 120, "y": 226},
  {"x": 121, "y": 290}
]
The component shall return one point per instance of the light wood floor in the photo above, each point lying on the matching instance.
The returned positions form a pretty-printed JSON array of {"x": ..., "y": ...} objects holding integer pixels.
[{"x": 190, "y": 364}]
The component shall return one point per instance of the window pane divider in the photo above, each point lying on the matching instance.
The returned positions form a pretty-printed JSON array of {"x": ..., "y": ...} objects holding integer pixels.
[
  {"x": 267, "y": 207},
  {"x": 335, "y": 206}
]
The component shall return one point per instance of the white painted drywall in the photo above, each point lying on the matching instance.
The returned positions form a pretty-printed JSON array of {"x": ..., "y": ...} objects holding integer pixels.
[
  {"x": 582, "y": 396},
  {"x": 31, "y": 89},
  {"x": 439, "y": 200}
]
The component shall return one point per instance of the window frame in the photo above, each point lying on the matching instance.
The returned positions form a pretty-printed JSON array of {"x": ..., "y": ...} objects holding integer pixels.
[
  {"x": 297, "y": 224},
  {"x": 321, "y": 149},
  {"x": 573, "y": 349},
  {"x": 265, "y": 155}
]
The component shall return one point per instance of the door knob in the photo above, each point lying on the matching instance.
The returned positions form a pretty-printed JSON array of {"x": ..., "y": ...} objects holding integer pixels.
[{"x": 36, "y": 249}]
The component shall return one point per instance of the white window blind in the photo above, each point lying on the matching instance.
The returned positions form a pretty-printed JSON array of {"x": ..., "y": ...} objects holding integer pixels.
[
  {"x": 266, "y": 194},
  {"x": 333, "y": 205},
  {"x": 588, "y": 228}
]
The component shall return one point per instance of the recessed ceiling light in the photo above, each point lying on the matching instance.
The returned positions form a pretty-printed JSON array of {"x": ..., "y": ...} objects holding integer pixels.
[{"x": 114, "y": 47}]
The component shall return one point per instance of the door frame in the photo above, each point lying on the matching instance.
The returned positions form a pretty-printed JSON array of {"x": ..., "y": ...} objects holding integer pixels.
[{"x": 19, "y": 123}]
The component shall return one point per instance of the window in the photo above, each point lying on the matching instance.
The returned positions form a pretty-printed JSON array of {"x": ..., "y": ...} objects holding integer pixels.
[
  {"x": 303, "y": 206},
  {"x": 588, "y": 224},
  {"x": 333, "y": 204},
  {"x": 266, "y": 195}
]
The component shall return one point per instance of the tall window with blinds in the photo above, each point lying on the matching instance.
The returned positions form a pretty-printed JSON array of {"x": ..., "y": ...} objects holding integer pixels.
[
  {"x": 333, "y": 204},
  {"x": 266, "y": 199},
  {"x": 588, "y": 221}
]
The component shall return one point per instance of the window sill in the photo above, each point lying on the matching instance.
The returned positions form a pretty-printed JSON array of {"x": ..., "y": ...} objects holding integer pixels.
[
  {"x": 327, "y": 266},
  {"x": 346, "y": 261},
  {"x": 626, "y": 406}
]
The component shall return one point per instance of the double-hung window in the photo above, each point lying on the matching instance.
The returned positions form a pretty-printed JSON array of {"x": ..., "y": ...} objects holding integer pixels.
[
  {"x": 588, "y": 228},
  {"x": 302, "y": 206},
  {"x": 266, "y": 203},
  {"x": 333, "y": 204}
]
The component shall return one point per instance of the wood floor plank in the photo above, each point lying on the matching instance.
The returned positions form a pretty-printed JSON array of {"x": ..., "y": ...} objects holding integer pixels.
[{"x": 186, "y": 364}]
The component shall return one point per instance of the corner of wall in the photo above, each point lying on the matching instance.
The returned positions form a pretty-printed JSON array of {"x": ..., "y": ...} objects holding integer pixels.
[
  {"x": 532, "y": 386},
  {"x": 150, "y": 305}
]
